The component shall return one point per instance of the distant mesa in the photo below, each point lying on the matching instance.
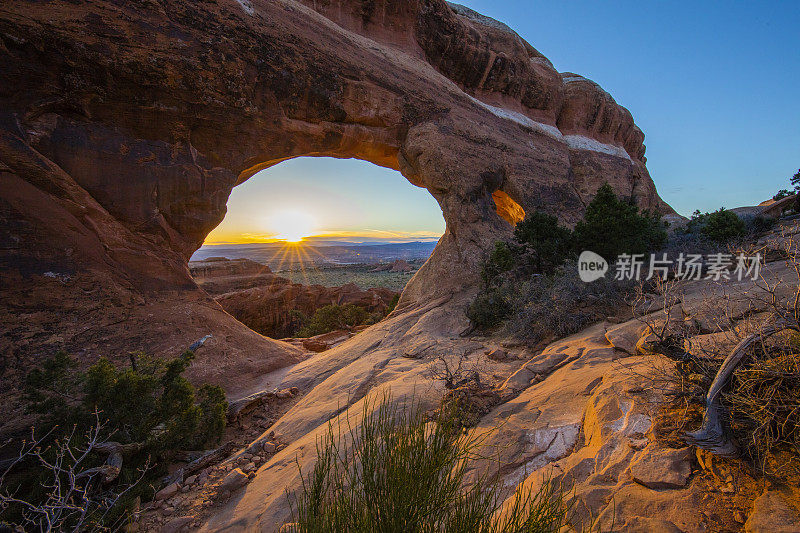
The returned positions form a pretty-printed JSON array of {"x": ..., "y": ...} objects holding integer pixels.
[{"x": 215, "y": 267}]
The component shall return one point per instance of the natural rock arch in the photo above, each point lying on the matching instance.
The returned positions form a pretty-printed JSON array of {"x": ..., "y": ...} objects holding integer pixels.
[
  {"x": 426, "y": 285},
  {"x": 419, "y": 285},
  {"x": 125, "y": 126}
]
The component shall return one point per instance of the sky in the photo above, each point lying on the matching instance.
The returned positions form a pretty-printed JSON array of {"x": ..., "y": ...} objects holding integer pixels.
[
  {"x": 335, "y": 199},
  {"x": 715, "y": 86}
]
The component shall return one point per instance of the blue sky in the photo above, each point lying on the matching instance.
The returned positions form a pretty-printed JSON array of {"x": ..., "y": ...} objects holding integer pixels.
[{"x": 715, "y": 87}]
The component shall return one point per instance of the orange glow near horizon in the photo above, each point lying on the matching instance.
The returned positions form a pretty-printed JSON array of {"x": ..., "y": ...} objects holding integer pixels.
[{"x": 220, "y": 238}]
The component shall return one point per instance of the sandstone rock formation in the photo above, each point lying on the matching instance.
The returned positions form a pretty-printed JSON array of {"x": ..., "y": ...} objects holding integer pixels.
[
  {"x": 768, "y": 208},
  {"x": 223, "y": 276},
  {"x": 124, "y": 127},
  {"x": 221, "y": 267},
  {"x": 265, "y": 302},
  {"x": 326, "y": 341},
  {"x": 772, "y": 514},
  {"x": 268, "y": 309},
  {"x": 586, "y": 410}
]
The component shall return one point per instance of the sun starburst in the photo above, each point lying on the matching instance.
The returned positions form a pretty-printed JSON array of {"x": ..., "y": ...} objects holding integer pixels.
[{"x": 292, "y": 225}]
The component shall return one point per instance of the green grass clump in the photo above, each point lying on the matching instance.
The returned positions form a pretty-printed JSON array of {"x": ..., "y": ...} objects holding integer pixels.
[{"x": 400, "y": 472}]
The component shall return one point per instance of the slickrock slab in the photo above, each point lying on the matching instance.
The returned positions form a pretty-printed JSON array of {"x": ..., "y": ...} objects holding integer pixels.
[
  {"x": 640, "y": 524},
  {"x": 624, "y": 336},
  {"x": 662, "y": 468},
  {"x": 177, "y": 524},
  {"x": 772, "y": 514}
]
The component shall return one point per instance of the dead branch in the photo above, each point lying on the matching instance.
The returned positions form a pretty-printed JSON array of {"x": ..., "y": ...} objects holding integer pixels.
[
  {"x": 713, "y": 435},
  {"x": 73, "y": 491},
  {"x": 456, "y": 376},
  {"x": 196, "y": 345},
  {"x": 212, "y": 457},
  {"x": 247, "y": 404}
]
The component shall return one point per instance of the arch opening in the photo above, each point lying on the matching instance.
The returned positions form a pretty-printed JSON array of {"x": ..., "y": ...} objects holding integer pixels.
[
  {"x": 311, "y": 232},
  {"x": 507, "y": 208}
]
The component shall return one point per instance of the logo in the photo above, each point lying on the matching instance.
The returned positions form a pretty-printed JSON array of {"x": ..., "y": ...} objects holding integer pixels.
[{"x": 591, "y": 266}]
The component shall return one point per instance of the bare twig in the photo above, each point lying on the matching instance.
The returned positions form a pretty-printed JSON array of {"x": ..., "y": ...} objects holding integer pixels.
[
  {"x": 454, "y": 376},
  {"x": 74, "y": 490},
  {"x": 713, "y": 435}
]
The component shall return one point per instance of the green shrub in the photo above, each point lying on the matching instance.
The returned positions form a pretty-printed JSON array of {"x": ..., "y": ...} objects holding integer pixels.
[
  {"x": 490, "y": 308},
  {"x": 719, "y": 226},
  {"x": 134, "y": 400},
  {"x": 48, "y": 390},
  {"x": 781, "y": 194},
  {"x": 333, "y": 317},
  {"x": 612, "y": 226},
  {"x": 540, "y": 245},
  {"x": 545, "y": 242},
  {"x": 547, "y": 308},
  {"x": 393, "y": 303},
  {"x": 758, "y": 224},
  {"x": 502, "y": 259},
  {"x": 555, "y": 301},
  {"x": 397, "y": 472},
  {"x": 148, "y": 407}
]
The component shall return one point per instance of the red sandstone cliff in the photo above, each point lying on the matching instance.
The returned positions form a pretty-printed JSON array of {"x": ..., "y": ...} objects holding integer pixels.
[
  {"x": 125, "y": 125},
  {"x": 265, "y": 302}
]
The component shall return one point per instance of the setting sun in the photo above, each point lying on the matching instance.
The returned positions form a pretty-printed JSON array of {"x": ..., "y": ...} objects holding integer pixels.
[{"x": 292, "y": 225}]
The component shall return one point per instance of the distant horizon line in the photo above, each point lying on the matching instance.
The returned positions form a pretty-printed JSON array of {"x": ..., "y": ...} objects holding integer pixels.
[
  {"x": 355, "y": 237},
  {"x": 374, "y": 240}
]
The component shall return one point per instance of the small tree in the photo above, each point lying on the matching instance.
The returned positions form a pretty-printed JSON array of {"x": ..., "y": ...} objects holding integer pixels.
[
  {"x": 718, "y": 226},
  {"x": 502, "y": 259},
  {"x": 73, "y": 494},
  {"x": 297, "y": 321},
  {"x": 547, "y": 244},
  {"x": 796, "y": 180},
  {"x": 454, "y": 374},
  {"x": 612, "y": 226},
  {"x": 333, "y": 317}
]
